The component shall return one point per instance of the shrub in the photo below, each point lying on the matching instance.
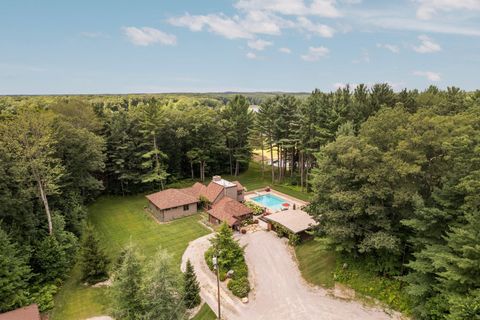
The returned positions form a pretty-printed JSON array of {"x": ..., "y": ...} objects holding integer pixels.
[
  {"x": 203, "y": 202},
  {"x": 239, "y": 287},
  {"x": 240, "y": 271},
  {"x": 281, "y": 231},
  {"x": 257, "y": 210},
  {"x": 43, "y": 296},
  {"x": 293, "y": 239}
]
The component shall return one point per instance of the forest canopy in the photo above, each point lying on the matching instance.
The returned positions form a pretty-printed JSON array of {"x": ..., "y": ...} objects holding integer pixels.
[{"x": 394, "y": 176}]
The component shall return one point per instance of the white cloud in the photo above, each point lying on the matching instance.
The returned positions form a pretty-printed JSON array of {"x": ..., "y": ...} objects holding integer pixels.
[
  {"x": 427, "y": 45},
  {"x": 428, "y": 8},
  {"x": 251, "y": 55},
  {"x": 322, "y": 8},
  {"x": 397, "y": 21},
  {"x": 315, "y": 53},
  {"x": 216, "y": 23},
  {"x": 390, "y": 47},
  {"x": 285, "y": 50},
  {"x": 259, "y": 44},
  {"x": 261, "y": 22},
  {"x": 431, "y": 76},
  {"x": 319, "y": 29},
  {"x": 146, "y": 36},
  {"x": 325, "y": 8}
]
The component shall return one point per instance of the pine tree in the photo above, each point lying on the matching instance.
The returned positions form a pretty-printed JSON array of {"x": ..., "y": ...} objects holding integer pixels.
[
  {"x": 127, "y": 287},
  {"x": 14, "y": 274},
  {"x": 94, "y": 260},
  {"x": 191, "y": 287},
  {"x": 162, "y": 300}
]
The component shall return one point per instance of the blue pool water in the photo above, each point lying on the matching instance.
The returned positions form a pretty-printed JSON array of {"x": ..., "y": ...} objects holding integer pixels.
[{"x": 270, "y": 201}]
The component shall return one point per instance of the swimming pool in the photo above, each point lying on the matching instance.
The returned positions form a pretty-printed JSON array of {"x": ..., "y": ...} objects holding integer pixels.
[{"x": 271, "y": 201}]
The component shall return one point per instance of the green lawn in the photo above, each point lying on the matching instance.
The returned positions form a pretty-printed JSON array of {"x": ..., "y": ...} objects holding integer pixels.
[
  {"x": 205, "y": 313},
  {"x": 319, "y": 265},
  {"x": 316, "y": 264},
  {"x": 117, "y": 221}
]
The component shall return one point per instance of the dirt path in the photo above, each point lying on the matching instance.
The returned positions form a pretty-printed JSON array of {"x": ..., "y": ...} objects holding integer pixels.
[{"x": 279, "y": 291}]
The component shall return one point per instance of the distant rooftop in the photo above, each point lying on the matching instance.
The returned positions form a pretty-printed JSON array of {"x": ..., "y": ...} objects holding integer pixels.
[{"x": 224, "y": 183}]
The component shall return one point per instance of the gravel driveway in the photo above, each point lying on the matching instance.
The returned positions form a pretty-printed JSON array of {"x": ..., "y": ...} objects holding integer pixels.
[{"x": 278, "y": 290}]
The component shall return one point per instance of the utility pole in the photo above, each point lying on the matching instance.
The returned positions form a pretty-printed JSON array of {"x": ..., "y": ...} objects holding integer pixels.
[{"x": 215, "y": 265}]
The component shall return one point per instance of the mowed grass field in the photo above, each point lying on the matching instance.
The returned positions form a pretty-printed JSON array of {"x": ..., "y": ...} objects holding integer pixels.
[
  {"x": 316, "y": 264},
  {"x": 205, "y": 313},
  {"x": 119, "y": 220}
]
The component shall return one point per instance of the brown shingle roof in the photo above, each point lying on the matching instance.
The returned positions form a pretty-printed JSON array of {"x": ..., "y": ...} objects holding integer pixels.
[
  {"x": 212, "y": 191},
  {"x": 26, "y": 313},
  {"x": 196, "y": 190},
  {"x": 239, "y": 185},
  {"x": 228, "y": 210},
  {"x": 171, "y": 198}
]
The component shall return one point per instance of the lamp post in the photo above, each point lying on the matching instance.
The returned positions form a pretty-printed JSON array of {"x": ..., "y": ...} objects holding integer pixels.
[{"x": 215, "y": 265}]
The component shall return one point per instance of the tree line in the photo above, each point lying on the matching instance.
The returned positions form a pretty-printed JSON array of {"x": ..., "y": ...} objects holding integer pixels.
[{"x": 400, "y": 193}]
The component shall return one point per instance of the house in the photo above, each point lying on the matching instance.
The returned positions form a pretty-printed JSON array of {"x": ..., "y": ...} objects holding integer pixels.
[
  {"x": 26, "y": 313},
  {"x": 230, "y": 211},
  {"x": 171, "y": 204}
]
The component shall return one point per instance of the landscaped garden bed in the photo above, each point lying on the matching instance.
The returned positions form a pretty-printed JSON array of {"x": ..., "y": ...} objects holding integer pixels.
[{"x": 231, "y": 261}]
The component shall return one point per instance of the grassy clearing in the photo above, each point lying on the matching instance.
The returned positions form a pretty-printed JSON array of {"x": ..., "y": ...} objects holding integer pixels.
[
  {"x": 316, "y": 264},
  {"x": 319, "y": 267},
  {"x": 117, "y": 221},
  {"x": 368, "y": 285},
  {"x": 205, "y": 313}
]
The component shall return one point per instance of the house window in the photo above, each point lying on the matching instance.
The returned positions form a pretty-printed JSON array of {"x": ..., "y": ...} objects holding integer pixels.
[
  {"x": 186, "y": 207},
  {"x": 239, "y": 192}
]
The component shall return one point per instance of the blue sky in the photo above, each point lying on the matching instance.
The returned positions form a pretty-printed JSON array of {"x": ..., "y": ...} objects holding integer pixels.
[{"x": 55, "y": 47}]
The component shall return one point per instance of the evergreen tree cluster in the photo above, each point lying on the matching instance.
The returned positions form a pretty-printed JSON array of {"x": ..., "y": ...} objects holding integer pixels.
[
  {"x": 152, "y": 290},
  {"x": 401, "y": 193}
]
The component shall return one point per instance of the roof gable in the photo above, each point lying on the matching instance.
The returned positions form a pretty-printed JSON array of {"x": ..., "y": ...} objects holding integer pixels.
[
  {"x": 229, "y": 210},
  {"x": 212, "y": 191},
  {"x": 171, "y": 198},
  {"x": 196, "y": 190}
]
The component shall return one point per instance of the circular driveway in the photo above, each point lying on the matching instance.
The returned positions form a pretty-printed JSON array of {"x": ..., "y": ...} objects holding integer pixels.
[{"x": 278, "y": 290}]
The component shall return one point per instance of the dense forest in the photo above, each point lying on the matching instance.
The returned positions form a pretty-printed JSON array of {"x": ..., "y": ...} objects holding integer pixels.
[{"x": 395, "y": 177}]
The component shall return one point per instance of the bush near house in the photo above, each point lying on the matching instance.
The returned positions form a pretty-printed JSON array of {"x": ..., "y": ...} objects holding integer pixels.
[
  {"x": 230, "y": 257},
  {"x": 293, "y": 239},
  {"x": 239, "y": 287},
  {"x": 257, "y": 210}
]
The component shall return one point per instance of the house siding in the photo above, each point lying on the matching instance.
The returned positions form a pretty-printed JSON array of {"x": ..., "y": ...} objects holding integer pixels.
[
  {"x": 157, "y": 213},
  {"x": 231, "y": 192},
  {"x": 178, "y": 212},
  {"x": 172, "y": 213}
]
